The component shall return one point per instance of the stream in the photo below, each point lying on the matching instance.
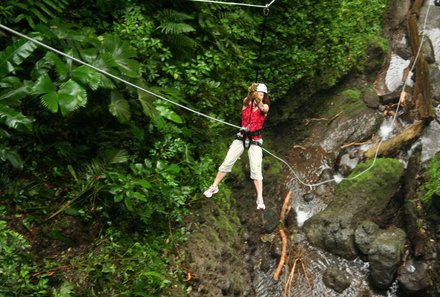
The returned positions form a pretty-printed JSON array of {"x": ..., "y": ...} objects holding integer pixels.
[{"x": 313, "y": 260}]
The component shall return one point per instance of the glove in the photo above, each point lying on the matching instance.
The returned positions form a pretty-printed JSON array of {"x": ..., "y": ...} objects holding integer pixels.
[
  {"x": 255, "y": 97},
  {"x": 252, "y": 88}
]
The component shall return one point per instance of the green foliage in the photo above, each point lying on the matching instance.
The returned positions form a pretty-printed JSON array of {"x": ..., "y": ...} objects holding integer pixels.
[
  {"x": 318, "y": 43},
  {"x": 18, "y": 275},
  {"x": 106, "y": 152},
  {"x": 7, "y": 152},
  {"x": 432, "y": 184},
  {"x": 31, "y": 11},
  {"x": 123, "y": 265},
  {"x": 353, "y": 95}
]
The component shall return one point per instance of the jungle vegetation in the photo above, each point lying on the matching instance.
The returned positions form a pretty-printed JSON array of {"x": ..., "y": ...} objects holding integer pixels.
[{"x": 96, "y": 176}]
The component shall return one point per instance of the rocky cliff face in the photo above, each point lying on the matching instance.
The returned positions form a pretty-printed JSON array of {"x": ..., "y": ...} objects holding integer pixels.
[{"x": 377, "y": 219}]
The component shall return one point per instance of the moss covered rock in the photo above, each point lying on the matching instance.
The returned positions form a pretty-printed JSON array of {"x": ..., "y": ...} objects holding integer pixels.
[{"x": 363, "y": 195}]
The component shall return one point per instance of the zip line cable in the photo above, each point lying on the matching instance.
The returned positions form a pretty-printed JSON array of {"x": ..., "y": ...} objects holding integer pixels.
[
  {"x": 210, "y": 117},
  {"x": 235, "y": 3},
  {"x": 114, "y": 76}
]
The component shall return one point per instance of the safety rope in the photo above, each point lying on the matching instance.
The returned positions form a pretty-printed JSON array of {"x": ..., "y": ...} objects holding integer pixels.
[
  {"x": 212, "y": 118},
  {"x": 392, "y": 122}
]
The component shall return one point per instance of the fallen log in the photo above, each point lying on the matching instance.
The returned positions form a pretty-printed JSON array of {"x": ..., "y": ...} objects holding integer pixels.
[
  {"x": 276, "y": 275},
  {"x": 283, "y": 212},
  {"x": 393, "y": 145},
  {"x": 411, "y": 205},
  {"x": 421, "y": 91}
]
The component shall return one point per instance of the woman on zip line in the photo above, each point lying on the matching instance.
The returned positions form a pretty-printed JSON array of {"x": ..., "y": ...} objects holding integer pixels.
[{"x": 253, "y": 114}]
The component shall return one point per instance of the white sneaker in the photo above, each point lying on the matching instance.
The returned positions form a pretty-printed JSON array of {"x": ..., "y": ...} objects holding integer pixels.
[
  {"x": 211, "y": 191},
  {"x": 260, "y": 204}
]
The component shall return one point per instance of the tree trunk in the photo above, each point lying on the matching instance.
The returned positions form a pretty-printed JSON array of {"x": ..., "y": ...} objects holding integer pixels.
[
  {"x": 411, "y": 212},
  {"x": 393, "y": 145},
  {"x": 421, "y": 92}
]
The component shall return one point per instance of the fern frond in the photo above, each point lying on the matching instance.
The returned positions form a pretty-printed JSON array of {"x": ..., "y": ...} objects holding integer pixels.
[{"x": 172, "y": 22}]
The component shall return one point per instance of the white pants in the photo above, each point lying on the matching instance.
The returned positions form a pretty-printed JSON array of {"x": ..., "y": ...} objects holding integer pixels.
[{"x": 236, "y": 149}]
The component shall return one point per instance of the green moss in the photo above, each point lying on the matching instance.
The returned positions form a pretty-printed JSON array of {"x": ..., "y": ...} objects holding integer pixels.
[
  {"x": 368, "y": 175},
  {"x": 352, "y": 95},
  {"x": 375, "y": 183},
  {"x": 432, "y": 184}
]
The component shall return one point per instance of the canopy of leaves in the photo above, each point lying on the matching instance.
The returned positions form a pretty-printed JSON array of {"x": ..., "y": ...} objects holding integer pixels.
[{"x": 75, "y": 141}]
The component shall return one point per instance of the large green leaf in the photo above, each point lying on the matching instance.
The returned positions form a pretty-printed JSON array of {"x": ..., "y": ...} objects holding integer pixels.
[
  {"x": 13, "y": 89},
  {"x": 43, "y": 85},
  {"x": 14, "y": 55},
  {"x": 12, "y": 156},
  {"x": 169, "y": 114},
  {"x": 50, "y": 101},
  {"x": 48, "y": 62},
  {"x": 121, "y": 53},
  {"x": 71, "y": 96},
  {"x": 13, "y": 118},
  {"x": 119, "y": 107},
  {"x": 87, "y": 76}
]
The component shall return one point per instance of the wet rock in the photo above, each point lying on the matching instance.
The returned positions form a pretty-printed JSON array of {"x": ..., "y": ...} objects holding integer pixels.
[
  {"x": 265, "y": 262},
  {"x": 358, "y": 123},
  {"x": 365, "y": 235},
  {"x": 290, "y": 218},
  {"x": 413, "y": 277},
  {"x": 385, "y": 256},
  {"x": 333, "y": 228},
  {"x": 308, "y": 197},
  {"x": 271, "y": 221},
  {"x": 346, "y": 164},
  {"x": 391, "y": 98},
  {"x": 434, "y": 75},
  {"x": 371, "y": 99},
  {"x": 336, "y": 279}
]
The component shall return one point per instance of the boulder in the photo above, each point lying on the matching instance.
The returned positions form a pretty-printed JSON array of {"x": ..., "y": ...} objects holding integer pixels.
[
  {"x": 385, "y": 255},
  {"x": 413, "y": 277},
  {"x": 365, "y": 235},
  {"x": 354, "y": 202},
  {"x": 336, "y": 279}
]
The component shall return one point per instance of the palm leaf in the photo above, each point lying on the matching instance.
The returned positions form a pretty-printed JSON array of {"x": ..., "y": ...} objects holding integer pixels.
[
  {"x": 121, "y": 53},
  {"x": 13, "y": 89},
  {"x": 119, "y": 107},
  {"x": 87, "y": 76},
  {"x": 13, "y": 118},
  {"x": 14, "y": 55},
  {"x": 71, "y": 96}
]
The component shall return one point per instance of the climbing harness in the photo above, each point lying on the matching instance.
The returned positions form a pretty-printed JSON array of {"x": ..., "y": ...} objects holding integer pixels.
[
  {"x": 246, "y": 136},
  {"x": 437, "y": 3}
]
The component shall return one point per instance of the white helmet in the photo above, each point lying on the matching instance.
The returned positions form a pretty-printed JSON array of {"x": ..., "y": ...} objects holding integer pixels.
[{"x": 262, "y": 88}]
